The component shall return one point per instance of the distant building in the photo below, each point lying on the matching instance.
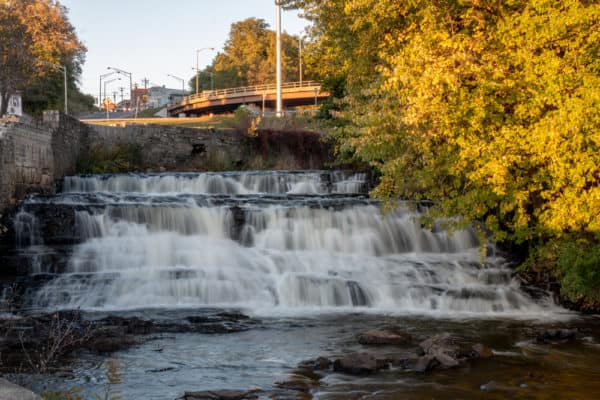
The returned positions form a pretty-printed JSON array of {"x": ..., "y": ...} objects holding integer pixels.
[{"x": 161, "y": 96}]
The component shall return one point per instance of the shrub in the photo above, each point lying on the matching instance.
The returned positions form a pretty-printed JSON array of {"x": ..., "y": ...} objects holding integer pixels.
[{"x": 579, "y": 264}]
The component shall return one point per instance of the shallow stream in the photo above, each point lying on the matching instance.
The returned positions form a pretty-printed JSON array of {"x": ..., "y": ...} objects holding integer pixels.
[{"x": 313, "y": 260}]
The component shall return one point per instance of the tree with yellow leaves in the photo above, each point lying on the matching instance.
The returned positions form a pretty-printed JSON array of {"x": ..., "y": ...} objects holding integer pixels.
[
  {"x": 35, "y": 36},
  {"x": 489, "y": 108}
]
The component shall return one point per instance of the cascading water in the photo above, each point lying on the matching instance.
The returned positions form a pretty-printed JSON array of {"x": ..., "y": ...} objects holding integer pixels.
[{"x": 267, "y": 241}]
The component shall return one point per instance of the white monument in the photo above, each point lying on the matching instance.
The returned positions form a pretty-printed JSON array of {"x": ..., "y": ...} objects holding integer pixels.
[{"x": 15, "y": 106}]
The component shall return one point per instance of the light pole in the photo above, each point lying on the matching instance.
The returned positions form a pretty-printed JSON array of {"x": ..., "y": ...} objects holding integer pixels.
[
  {"x": 300, "y": 59},
  {"x": 105, "y": 83},
  {"x": 100, "y": 88},
  {"x": 197, "y": 67},
  {"x": 120, "y": 71},
  {"x": 182, "y": 83},
  {"x": 278, "y": 61}
]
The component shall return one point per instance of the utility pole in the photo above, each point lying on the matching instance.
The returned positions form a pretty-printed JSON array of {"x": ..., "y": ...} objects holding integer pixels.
[
  {"x": 279, "y": 108},
  {"x": 198, "y": 67},
  {"x": 300, "y": 58},
  {"x": 121, "y": 89},
  {"x": 145, "y": 81}
]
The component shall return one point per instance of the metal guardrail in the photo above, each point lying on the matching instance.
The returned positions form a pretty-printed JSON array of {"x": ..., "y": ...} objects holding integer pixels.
[{"x": 257, "y": 89}]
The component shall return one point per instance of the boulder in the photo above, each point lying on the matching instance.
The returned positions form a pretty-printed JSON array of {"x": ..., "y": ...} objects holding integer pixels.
[
  {"x": 421, "y": 364},
  {"x": 358, "y": 364},
  {"x": 384, "y": 337},
  {"x": 481, "y": 351},
  {"x": 10, "y": 391},
  {"x": 557, "y": 335},
  {"x": 443, "y": 348},
  {"x": 439, "y": 343},
  {"x": 221, "y": 395}
]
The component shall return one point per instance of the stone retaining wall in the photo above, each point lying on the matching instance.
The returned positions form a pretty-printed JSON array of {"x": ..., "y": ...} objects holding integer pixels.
[
  {"x": 175, "y": 148},
  {"x": 35, "y": 156}
]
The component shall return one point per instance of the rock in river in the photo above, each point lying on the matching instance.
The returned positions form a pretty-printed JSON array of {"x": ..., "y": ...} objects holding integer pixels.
[
  {"x": 358, "y": 364},
  {"x": 221, "y": 395},
  {"x": 384, "y": 337}
]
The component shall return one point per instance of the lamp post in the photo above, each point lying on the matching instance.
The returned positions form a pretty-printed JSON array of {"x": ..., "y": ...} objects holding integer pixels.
[
  {"x": 105, "y": 83},
  {"x": 182, "y": 83},
  {"x": 120, "y": 71},
  {"x": 300, "y": 59},
  {"x": 279, "y": 107},
  {"x": 197, "y": 67},
  {"x": 100, "y": 88}
]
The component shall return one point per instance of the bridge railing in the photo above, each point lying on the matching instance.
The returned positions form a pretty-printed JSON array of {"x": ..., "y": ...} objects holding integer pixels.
[{"x": 209, "y": 94}]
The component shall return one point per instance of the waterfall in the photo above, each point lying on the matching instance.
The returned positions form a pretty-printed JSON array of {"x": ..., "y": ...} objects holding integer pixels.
[{"x": 245, "y": 239}]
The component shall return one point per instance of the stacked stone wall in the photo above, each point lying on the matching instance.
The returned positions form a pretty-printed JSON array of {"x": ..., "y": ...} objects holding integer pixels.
[
  {"x": 26, "y": 161},
  {"x": 36, "y": 155}
]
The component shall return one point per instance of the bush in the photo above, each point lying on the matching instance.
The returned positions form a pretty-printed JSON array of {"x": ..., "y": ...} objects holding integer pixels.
[
  {"x": 121, "y": 158},
  {"x": 579, "y": 264}
]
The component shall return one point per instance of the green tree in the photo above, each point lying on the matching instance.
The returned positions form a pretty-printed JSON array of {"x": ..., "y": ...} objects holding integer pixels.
[{"x": 248, "y": 58}]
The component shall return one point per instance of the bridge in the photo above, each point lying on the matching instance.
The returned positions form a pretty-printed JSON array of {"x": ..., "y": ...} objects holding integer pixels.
[{"x": 264, "y": 96}]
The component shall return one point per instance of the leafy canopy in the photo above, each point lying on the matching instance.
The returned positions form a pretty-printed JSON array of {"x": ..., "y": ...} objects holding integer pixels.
[
  {"x": 489, "y": 108},
  {"x": 35, "y": 35}
]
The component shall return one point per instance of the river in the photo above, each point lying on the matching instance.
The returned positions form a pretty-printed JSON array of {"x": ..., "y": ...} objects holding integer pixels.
[{"x": 311, "y": 259}]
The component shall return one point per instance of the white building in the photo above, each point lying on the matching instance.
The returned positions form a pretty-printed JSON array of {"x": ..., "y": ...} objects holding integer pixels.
[{"x": 160, "y": 96}]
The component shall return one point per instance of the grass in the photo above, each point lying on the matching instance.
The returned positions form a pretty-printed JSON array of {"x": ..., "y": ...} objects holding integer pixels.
[{"x": 208, "y": 121}]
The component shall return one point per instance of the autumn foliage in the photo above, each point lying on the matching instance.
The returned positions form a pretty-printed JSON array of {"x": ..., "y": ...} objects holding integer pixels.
[
  {"x": 488, "y": 108},
  {"x": 35, "y": 37}
]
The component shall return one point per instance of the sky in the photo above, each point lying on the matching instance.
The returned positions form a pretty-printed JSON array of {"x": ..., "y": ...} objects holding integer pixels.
[{"x": 155, "y": 38}]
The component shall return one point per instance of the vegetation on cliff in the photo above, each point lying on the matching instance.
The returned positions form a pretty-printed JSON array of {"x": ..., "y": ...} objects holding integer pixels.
[{"x": 488, "y": 108}]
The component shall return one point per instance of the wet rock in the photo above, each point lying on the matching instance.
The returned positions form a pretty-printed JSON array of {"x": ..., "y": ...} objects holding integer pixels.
[
  {"x": 421, "y": 364},
  {"x": 443, "y": 348},
  {"x": 358, "y": 364},
  {"x": 442, "y": 342},
  {"x": 110, "y": 344},
  {"x": 9, "y": 390},
  {"x": 555, "y": 336},
  {"x": 131, "y": 325},
  {"x": 481, "y": 351},
  {"x": 384, "y": 337},
  {"x": 221, "y": 395},
  {"x": 323, "y": 363},
  {"x": 294, "y": 385},
  {"x": 222, "y": 322}
]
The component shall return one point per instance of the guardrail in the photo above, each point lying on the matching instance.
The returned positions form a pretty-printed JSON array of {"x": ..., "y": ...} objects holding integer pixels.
[{"x": 208, "y": 94}]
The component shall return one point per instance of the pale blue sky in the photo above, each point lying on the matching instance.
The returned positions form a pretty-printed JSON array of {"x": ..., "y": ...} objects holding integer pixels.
[{"x": 153, "y": 38}]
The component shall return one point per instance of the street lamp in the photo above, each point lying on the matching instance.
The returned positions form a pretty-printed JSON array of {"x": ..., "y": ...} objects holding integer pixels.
[
  {"x": 100, "y": 88},
  {"x": 279, "y": 108},
  {"x": 300, "y": 59},
  {"x": 197, "y": 67},
  {"x": 120, "y": 71},
  {"x": 105, "y": 83},
  {"x": 212, "y": 79},
  {"x": 182, "y": 83}
]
